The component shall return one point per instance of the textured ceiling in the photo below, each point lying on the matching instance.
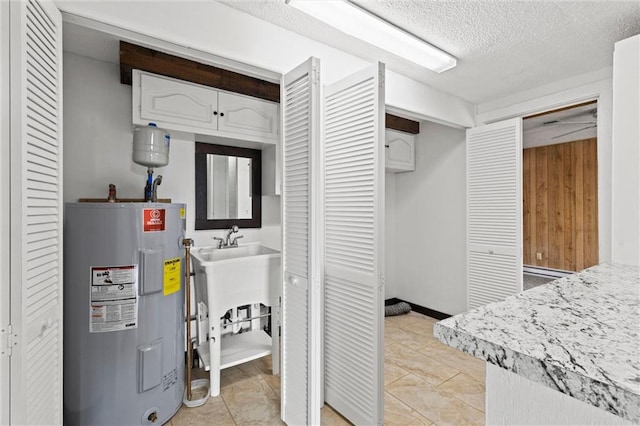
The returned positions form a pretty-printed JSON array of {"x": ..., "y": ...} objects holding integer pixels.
[{"x": 502, "y": 47}]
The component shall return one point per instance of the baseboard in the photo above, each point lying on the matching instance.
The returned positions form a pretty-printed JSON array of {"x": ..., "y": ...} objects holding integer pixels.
[
  {"x": 545, "y": 272},
  {"x": 419, "y": 309}
]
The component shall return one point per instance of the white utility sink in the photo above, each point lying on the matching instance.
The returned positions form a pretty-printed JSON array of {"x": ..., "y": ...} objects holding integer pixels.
[
  {"x": 209, "y": 254},
  {"x": 225, "y": 279}
]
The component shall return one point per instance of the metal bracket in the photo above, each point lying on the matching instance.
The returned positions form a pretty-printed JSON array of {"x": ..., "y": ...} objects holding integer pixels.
[{"x": 7, "y": 340}]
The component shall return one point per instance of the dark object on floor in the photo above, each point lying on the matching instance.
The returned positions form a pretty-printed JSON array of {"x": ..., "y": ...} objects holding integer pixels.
[{"x": 397, "y": 309}]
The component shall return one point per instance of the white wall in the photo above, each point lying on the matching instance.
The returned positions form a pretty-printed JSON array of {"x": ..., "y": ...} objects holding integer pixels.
[
  {"x": 98, "y": 137},
  {"x": 515, "y": 400},
  {"x": 218, "y": 29},
  {"x": 562, "y": 93},
  {"x": 626, "y": 152},
  {"x": 391, "y": 221},
  {"x": 430, "y": 227}
]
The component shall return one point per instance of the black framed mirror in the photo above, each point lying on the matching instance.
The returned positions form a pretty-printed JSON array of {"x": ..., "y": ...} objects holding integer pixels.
[{"x": 228, "y": 187}]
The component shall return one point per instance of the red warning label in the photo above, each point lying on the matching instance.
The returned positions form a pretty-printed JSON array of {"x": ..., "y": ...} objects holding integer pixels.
[{"x": 153, "y": 220}]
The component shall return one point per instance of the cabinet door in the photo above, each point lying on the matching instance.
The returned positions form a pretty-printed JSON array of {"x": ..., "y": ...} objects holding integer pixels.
[
  {"x": 399, "y": 151},
  {"x": 175, "y": 104},
  {"x": 246, "y": 116}
]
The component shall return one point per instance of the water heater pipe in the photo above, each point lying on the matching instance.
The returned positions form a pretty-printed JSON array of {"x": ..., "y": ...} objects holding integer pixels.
[
  {"x": 154, "y": 189},
  {"x": 188, "y": 242},
  {"x": 148, "y": 188}
]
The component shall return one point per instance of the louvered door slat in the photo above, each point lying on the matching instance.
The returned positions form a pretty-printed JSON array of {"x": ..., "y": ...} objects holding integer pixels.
[
  {"x": 40, "y": 286},
  {"x": 41, "y": 38},
  {"x": 40, "y": 76},
  {"x": 300, "y": 298},
  {"x": 44, "y": 389},
  {"x": 42, "y": 95},
  {"x": 494, "y": 211},
  {"x": 37, "y": 244},
  {"x": 36, "y": 204},
  {"x": 354, "y": 196}
]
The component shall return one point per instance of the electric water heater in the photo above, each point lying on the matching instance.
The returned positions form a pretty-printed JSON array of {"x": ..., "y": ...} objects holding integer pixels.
[{"x": 123, "y": 313}]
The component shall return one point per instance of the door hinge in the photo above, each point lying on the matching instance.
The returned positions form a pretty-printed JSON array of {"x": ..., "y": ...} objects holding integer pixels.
[
  {"x": 315, "y": 75},
  {"x": 8, "y": 340}
]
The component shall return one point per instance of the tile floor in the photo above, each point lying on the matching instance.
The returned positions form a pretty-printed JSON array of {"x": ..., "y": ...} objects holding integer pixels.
[
  {"x": 530, "y": 281},
  {"x": 426, "y": 383}
]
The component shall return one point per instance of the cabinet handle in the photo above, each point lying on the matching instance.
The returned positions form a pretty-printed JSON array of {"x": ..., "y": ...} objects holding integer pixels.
[
  {"x": 222, "y": 114},
  {"x": 215, "y": 112},
  {"x": 386, "y": 146}
]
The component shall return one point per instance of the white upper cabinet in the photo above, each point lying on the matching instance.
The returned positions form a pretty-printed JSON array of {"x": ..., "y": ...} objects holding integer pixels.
[
  {"x": 244, "y": 115},
  {"x": 188, "y": 107},
  {"x": 399, "y": 151}
]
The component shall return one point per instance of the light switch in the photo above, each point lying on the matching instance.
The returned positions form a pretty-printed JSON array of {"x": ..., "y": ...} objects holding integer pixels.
[{"x": 539, "y": 256}]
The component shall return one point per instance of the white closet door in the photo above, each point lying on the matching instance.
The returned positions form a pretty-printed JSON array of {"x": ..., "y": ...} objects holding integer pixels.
[
  {"x": 301, "y": 302},
  {"x": 354, "y": 245},
  {"x": 494, "y": 211},
  {"x": 36, "y": 213},
  {"x": 5, "y": 209}
]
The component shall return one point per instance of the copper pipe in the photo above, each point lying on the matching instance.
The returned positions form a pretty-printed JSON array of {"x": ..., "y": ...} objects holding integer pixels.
[{"x": 187, "y": 275}]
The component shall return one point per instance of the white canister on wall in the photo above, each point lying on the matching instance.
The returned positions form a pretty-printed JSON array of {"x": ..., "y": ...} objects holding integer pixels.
[{"x": 151, "y": 146}]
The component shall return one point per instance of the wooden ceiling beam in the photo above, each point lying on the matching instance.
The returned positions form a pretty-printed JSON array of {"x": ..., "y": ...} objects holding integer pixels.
[{"x": 402, "y": 124}]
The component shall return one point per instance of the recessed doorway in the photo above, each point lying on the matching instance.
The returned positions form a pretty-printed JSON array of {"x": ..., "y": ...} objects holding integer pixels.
[{"x": 560, "y": 190}]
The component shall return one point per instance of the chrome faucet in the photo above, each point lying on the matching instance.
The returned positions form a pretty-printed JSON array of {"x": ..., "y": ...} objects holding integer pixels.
[
  {"x": 232, "y": 243},
  {"x": 228, "y": 241},
  {"x": 220, "y": 242}
]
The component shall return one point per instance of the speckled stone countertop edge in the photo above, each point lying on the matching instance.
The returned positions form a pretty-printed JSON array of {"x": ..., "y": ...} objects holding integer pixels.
[{"x": 617, "y": 401}]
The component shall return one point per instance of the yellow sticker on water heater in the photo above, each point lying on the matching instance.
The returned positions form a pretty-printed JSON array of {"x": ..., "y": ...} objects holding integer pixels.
[
  {"x": 171, "y": 276},
  {"x": 183, "y": 212}
]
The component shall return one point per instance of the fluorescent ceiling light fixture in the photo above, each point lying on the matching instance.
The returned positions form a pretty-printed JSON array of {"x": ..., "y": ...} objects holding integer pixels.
[{"x": 361, "y": 24}]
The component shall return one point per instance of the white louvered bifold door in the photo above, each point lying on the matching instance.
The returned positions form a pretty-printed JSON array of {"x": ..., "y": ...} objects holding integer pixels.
[
  {"x": 36, "y": 213},
  {"x": 494, "y": 211},
  {"x": 5, "y": 226},
  {"x": 354, "y": 245},
  {"x": 301, "y": 301}
]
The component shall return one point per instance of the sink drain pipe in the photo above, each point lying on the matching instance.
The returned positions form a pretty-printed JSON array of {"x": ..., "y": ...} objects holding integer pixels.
[
  {"x": 187, "y": 280},
  {"x": 201, "y": 384}
]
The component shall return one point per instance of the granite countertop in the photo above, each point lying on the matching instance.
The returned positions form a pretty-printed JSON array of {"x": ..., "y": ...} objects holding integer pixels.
[{"x": 579, "y": 335}]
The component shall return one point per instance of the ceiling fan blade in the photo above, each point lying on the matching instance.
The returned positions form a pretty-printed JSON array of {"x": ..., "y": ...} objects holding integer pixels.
[
  {"x": 547, "y": 123},
  {"x": 574, "y": 131}
]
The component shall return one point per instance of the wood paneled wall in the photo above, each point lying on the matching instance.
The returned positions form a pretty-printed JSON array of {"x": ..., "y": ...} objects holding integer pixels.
[{"x": 560, "y": 211}]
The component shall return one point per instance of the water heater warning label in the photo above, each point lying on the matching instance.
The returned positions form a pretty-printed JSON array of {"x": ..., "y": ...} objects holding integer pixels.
[
  {"x": 153, "y": 220},
  {"x": 171, "y": 276},
  {"x": 114, "y": 298}
]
